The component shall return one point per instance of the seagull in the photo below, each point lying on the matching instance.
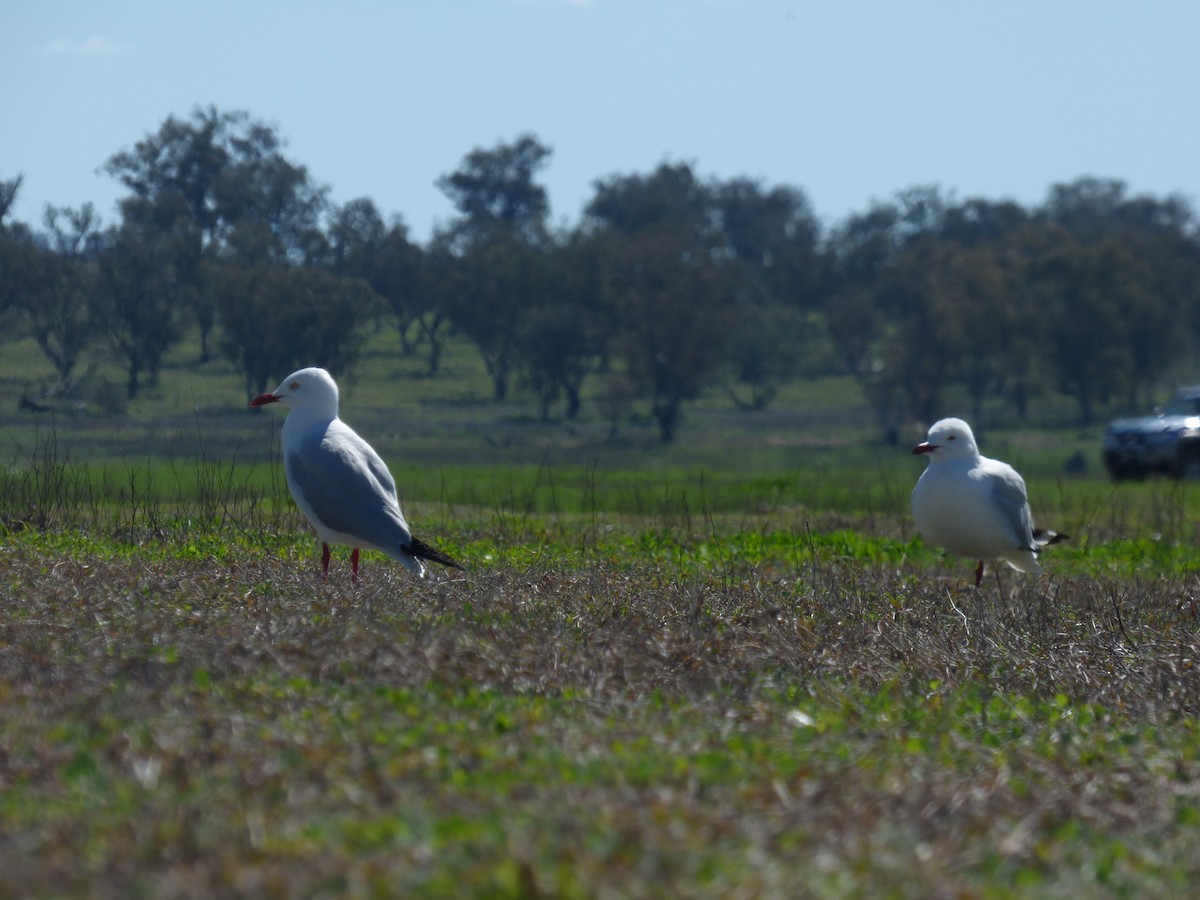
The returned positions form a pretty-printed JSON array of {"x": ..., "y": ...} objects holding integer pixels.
[
  {"x": 974, "y": 506},
  {"x": 338, "y": 480}
]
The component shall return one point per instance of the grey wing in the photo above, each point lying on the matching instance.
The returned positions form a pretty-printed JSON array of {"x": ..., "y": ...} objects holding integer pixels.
[
  {"x": 375, "y": 465},
  {"x": 1008, "y": 492},
  {"x": 350, "y": 492}
]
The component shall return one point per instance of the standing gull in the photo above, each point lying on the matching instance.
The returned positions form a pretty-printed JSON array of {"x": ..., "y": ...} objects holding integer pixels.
[
  {"x": 338, "y": 480},
  {"x": 973, "y": 506}
]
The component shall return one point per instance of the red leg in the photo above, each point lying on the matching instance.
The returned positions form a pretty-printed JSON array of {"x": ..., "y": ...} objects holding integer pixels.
[
  {"x": 324, "y": 560},
  {"x": 979, "y": 574},
  {"x": 354, "y": 565}
]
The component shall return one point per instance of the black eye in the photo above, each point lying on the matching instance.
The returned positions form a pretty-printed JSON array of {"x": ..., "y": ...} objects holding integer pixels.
[{"x": 952, "y": 437}]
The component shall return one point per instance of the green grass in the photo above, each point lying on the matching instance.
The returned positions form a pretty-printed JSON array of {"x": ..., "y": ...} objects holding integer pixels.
[
  {"x": 740, "y": 713},
  {"x": 723, "y": 668},
  {"x": 450, "y": 419}
]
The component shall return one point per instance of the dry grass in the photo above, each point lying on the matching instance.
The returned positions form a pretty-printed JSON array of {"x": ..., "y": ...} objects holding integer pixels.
[
  {"x": 712, "y": 701},
  {"x": 183, "y": 727}
]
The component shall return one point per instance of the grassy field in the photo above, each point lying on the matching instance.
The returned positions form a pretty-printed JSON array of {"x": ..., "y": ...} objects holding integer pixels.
[{"x": 724, "y": 668}]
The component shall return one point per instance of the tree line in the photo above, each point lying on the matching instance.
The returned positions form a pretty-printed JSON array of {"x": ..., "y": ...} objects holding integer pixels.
[{"x": 669, "y": 283}]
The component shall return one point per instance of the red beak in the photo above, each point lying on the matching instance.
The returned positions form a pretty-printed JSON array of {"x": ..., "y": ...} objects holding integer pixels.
[
  {"x": 923, "y": 447},
  {"x": 264, "y": 399}
]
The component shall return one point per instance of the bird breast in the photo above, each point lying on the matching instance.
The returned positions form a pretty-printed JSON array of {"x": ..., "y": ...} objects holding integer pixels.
[{"x": 957, "y": 514}]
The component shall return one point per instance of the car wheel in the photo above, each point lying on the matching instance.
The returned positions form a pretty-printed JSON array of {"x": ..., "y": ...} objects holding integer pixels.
[
  {"x": 1188, "y": 466},
  {"x": 1120, "y": 471}
]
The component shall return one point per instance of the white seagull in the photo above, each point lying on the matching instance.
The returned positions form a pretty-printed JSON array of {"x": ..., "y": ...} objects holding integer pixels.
[
  {"x": 338, "y": 480},
  {"x": 973, "y": 506}
]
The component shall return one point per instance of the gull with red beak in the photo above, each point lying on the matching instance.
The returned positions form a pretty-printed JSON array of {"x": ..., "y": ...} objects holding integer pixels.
[
  {"x": 338, "y": 480},
  {"x": 973, "y": 506}
]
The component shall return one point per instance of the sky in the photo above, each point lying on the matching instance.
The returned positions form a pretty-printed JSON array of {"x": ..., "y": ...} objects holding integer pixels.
[{"x": 849, "y": 101}]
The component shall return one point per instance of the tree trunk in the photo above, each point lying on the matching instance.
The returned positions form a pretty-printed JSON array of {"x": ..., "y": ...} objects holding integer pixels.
[
  {"x": 572, "y": 392},
  {"x": 498, "y": 369},
  {"x": 205, "y": 356},
  {"x": 666, "y": 413},
  {"x": 430, "y": 332}
]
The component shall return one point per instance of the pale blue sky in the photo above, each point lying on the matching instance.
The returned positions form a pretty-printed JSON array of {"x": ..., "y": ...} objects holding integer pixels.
[{"x": 849, "y": 101}]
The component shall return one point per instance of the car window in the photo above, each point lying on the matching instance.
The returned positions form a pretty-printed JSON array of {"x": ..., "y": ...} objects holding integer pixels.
[{"x": 1183, "y": 406}]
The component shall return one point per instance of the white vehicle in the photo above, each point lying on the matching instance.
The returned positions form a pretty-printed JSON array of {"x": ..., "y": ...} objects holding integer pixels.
[{"x": 1166, "y": 443}]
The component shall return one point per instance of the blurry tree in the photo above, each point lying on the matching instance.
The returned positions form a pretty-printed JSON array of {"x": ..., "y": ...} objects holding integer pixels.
[
  {"x": 675, "y": 315},
  {"x": 9, "y": 189},
  {"x": 1087, "y": 321},
  {"x": 768, "y": 346},
  {"x": 772, "y": 237},
  {"x": 276, "y": 319},
  {"x": 671, "y": 198},
  {"x": 923, "y": 301},
  {"x": 227, "y": 171},
  {"x": 977, "y": 221},
  {"x": 923, "y": 291},
  {"x": 438, "y": 281},
  {"x": 1000, "y": 331},
  {"x": 494, "y": 192},
  {"x": 401, "y": 276},
  {"x": 149, "y": 272},
  {"x": 1087, "y": 208},
  {"x": 860, "y": 333},
  {"x": 18, "y": 256},
  {"x": 226, "y": 168},
  {"x": 58, "y": 302},
  {"x": 1137, "y": 260},
  {"x": 497, "y": 281},
  {"x": 861, "y": 249},
  {"x": 498, "y": 248},
  {"x": 566, "y": 327},
  {"x": 1169, "y": 338},
  {"x": 355, "y": 235},
  {"x": 672, "y": 284},
  {"x": 362, "y": 245}
]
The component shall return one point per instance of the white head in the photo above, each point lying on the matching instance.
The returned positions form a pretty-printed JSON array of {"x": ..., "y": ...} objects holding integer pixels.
[
  {"x": 311, "y": 391},
  {"x": 949, "y": 439}
]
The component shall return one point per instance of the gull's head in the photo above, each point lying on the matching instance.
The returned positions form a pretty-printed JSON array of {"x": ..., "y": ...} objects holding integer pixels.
[
  {"x": 312, "y": 391},
  {"x": 948, "y": 439}
]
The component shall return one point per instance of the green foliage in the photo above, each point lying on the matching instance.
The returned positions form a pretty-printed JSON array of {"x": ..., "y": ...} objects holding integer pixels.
[
  {"x": 57, "y": 289},
  {"x": 148, "y": 273},
  {"x": 277, "y": 320},
  {"x": 1065, "y": 300},
  {"x": 669, "y": 286},
  {"x": 497, "y": 253}
]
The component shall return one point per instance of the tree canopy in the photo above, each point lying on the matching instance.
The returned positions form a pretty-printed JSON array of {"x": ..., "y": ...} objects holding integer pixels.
[{"x": 670, "y": 283}]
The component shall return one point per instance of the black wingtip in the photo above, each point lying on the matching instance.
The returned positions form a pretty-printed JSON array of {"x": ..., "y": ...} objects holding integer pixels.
[
  {"x": 421, "y": 550},
  {"x": 1046, "y": 538}
]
